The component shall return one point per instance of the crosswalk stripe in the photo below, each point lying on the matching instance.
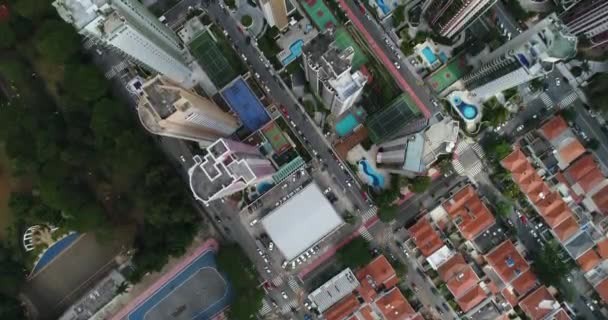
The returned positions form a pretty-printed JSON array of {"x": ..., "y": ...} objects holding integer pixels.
[
  {"x": 369, "y": 214},
  {"x": 568, "y": 100},
  {"x": 546, "y": 99},
  {"x": 365, "y": 234}
]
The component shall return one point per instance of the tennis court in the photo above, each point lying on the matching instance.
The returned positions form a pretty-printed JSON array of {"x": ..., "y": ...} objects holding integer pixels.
[
  {"x": 211, "y": 58},
  {"x": 392, "y": 118},
  {"x": 247, "y": 106},
  {"x": 276, "y": 138},
  {"x": 448, "y": 74},
  {"x": 320, "y": 14},
  {"x": 195, "y": 292},
  {"x": 344, "y": 40}
]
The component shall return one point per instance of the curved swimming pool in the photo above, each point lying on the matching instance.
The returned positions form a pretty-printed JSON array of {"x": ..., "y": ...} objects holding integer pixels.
[
  {"x": 375, "y": 178},
  {"x": 468, "y": 111},
  {"x": 54, "y": 250}
]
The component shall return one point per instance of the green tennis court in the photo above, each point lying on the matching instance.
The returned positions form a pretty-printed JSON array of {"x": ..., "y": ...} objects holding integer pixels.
[
  {"x": 319, "y": 13},
  {"x": 276, "y": 138},
  {"x": 448, "y": 74},
  {"x": 393, "y": 118},
  {"x": 344, "y": 40},
  {"x": 207, "y": 53}
]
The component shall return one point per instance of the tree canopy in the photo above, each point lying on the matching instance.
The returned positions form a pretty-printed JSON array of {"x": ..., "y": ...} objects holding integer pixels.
[
  {"x": 7, "y": 36},
  {"x": 355, "y": 254},
  {"x": 85, "y": 82},
  {"x": 420, "y": 184},
  {"x": 388, "y": 213},
  {"x": 56, "y": 41},
  {"x": 549, "y": 265}
]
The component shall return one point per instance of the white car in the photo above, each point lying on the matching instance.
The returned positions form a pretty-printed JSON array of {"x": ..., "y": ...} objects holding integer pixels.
[
  {"x": 270, "y": 246},
  {"x": 284, "y": 264},
  {"x": 257, "y": 75},
  {"x": 284, "y": 295},
  {"x": 267, "y": 269},
  {"x": 326, "y": 191},
  {"x": 182, "y": 158},
  {"x": 520, "y": 128},
  {"x": 252, "y": 223},
  {"x": 260, "y": 252},
  {"x": 397, "y": 65},
  {"x": 244, "y": 58}
]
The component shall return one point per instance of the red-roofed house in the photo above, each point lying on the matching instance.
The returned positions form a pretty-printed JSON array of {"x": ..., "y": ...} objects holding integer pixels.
[
  {"x": 566, "y": 229},
  {"x": 602, "y": 248},
  {"x": 554, "y": 128},
  {"x": 602, "y": 289},
  {"x": 377, "y": 273},
  {"x": 462, "y": 281},
  {"x": 588, "y": 260},
  {"x": 540, "y": 304},
  {"x": 471, "y": 298},
  {"x": 394, "y": 306},
  {"x": 344, "y": 308},
  {"x": 426, "y": 238},
  {"x": 584, "y": 174},
  {"x": 509, "y": 265},
  {"x": 600, "y": 199},
  {"x": 469, "y": 213}
]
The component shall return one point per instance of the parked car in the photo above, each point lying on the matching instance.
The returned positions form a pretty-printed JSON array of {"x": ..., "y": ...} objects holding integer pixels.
[{"x": 284, "y": 295}]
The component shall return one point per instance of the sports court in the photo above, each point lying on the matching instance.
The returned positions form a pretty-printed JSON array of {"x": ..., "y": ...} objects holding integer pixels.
[
  {"x": 247, "y": 106},
  {"x": 393, "y": 118},
  {"x": 448, "y": 74},
  {"x": 195, "y": 290},
  {"x": 275, "y": 136},
  {"x": 344, "y": 40},
  {"x": 320, "y": 14},
  {"x": 211, "y": 58}
]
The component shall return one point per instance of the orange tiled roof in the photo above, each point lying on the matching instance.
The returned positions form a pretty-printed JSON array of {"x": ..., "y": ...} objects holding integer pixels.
[
  {"x": 458, "y": 275},
  {"x": 588, "y": 260},
  {"x": 507, "y": 262},
  {"x": 524, "y": 283},
  {"x": 343, "y": 308},
  {"x": 571, "y": 151},
  {"x": 509, "y": 296},
  {"x": 473, "y": 214},
  {"x": 381, "y": 272},
  {"x": 515, "y": 161},
  {"x": 366, "y": 313},
  {"x": 425, "y": 237},
  {"x": 553, "y": 209},
  {"x": 602, "y": 248},
  {"x": 554, "y": 127},
  {"x": 585, "y": 173},
  {"x": 602, "y": 289},
  {"x": 531, "y": 305},
  {"x": 600, "y": 199},
  {"x": 394, "y": 306},
  {"x": 561, "y": 315},
  {"x": 351, "y": 141},
  {"x": 472, "y": 298},
  {"x": 418, "y": 316},
  {"x": 566, "y": 229}
]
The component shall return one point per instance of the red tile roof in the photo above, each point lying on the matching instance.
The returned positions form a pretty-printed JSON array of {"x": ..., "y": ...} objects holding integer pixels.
[
  {"x": 472, "y": 298},
  {"x": 553, "y": 209},
  {"x": 571, "y": 151},
  {"x": 566, "y": 229},
  {"x": 588, "y": 260},
  {"x": 425, "y": 237},
  {"x": 473, "y": 215},
  {"x": 380, "y": 272},
  {"x": 524, "y": 283},
  {"x": 600, "y": 199},
  {"x": 507, "y": 262},
  {"x": 602, "y": 289},
  {"x": 343, "y": 308},
  {"x": 366, "y": 313},
  {"x": 417, "y": 316},
  {"x": 509, "y": 296},
  {"x": 585, "y": 173},
  {"x": 602, "y": 248},
  {"x": 554, "y": 127},
  {"x": 458, "y": 275},
  {"x": 538, "y": 304},
  {"x": 561, "y": 315},
  {"x": 394, "y": 306}
]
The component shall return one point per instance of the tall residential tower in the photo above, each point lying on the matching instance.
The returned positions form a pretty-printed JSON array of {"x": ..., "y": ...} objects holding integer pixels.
[
  {"x": 169, "y": 110},
  {"x": 449, "y": 17},
  {"x": 275, "y": 12},
  {"x": 127, "y": 26},
  {"x": 588, "y": 18}
]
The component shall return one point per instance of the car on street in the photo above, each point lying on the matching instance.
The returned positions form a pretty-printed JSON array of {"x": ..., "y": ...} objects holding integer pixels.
[
  {"x": 520, "y": 128},
  {"x": 260, "y": 252},
  {"x": 397, "y": 65},
  {"x": 435, "y": 103},
  {"x": 522, "y": 217},
  {"x": 270, "y": 246},
  {"x": 308, "y": 305},
  {"x": 414, "y": 287},
  {"x": 284, "y": 295},
  {"x": 253, "y": 222},
  {"x": 267, "y": 269},
  {"x": 557, "y": 81},
  {"x": 182, "y": 158}
]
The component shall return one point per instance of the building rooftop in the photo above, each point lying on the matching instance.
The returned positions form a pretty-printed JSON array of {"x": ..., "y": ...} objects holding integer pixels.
[
  {"x": 566, "y": 229},
  {"x": 554, "y": 128},
  {"x": 162, "y": 101},
  {"x": 378, "y": 272},
  {"x": 471, "y": 298},
  {"x": 394, "y": 306},
  {"x": 525, "y": 282},
  {"x": 508, "y": 263},
  {"x": 334, "y": 290},
  {"x": 539, "y": 304},
  {"x": 602, "y": 248},
  {"x": 462, "y": 281},
  {"x": 342, "y": 309},
  {"x": 469, "y": 213},
  {"x": 301, "y": 222},
  {"x": 579, "y": 244},
  {"x": 490, "y": 238},
  {"x": 427, "y": 240},
  {"x": 600, "y": 199},
  {"x": 602, "y": 289},
  {"x": 588, "y": 260},
  {"x": 584, "y": 174}
]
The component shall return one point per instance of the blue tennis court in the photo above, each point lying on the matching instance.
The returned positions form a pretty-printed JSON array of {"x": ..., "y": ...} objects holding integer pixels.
[
  {"x": 54, "y": 250},
  {"x": 247, "y": 106},
  {"x": 197, "y": 292}
]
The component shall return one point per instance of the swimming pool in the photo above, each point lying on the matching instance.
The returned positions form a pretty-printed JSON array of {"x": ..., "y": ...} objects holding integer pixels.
[
  {"x": 54, "y": 250},
  {"x": 376, "y": 179},
  {"x": 346, "y": 125},
  {"x": 295, "y": 50},
  {"x": 385, "y": 9},
  {"x": 429, "y": 55},
  {"x": 263, "y": 187},
  {"x": 467, "y": 110}
]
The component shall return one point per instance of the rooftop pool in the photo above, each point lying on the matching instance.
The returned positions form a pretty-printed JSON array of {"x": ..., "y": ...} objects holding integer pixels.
[
  {"x": 469, "y": 111},
  {"x": 429, "y": 55},
  {"x": 346, "y": 125}
]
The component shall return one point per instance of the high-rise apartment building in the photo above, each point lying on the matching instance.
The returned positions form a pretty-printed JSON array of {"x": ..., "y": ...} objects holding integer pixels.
[
  {"x": 275, "y": 12},
  {"x": 228, "y": 167},
  {"x": 529, "y": 55},
  {"x": 127, "y": 26},
  {"x": 589, "y": 19},
  {"x": 449, "y": 17},
  {"x": 167, "y": 109},
  {"x": 328, "y": 70}
]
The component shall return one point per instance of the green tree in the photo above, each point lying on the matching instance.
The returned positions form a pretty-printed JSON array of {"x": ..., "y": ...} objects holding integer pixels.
[
  {"x": 355, "y": 254},
  {"x": 549, "y": 265},
  {"x": 387, "y": 213},
  {"x": 494, "y": 113},
  {"x": 56, "y": 41},
  {"x": 33, "y": 9},
  {"x": 420, "y": 184},
  {"x": 7, "y": 36},
  {"x": 398, "y": 15},
  {"x": 85, "y": 82},
  {"x": 107, "y": 119},
  {"x": 593, "y": 144},
  {"x": 11, "y": 308},
  {"x": 504, "y": 209}
]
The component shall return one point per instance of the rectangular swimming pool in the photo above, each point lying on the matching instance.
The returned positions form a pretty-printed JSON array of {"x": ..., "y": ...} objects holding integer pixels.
[
  {"x": 429, "y": 55},
  {"x": 346, "y": 125}
]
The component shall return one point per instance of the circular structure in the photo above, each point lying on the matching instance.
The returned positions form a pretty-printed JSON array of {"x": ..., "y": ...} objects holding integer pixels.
[
  {"x": 246, "y": 21},
  {"x": 469, "y": 111},
  {"x": 466, "y": 108}
]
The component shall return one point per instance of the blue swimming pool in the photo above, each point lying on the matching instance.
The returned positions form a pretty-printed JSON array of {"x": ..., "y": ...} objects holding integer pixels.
[
  {"x": 443, "y": 57},
  {"x": 429, "y": 55},
  {"x": 295, "y": 50},
  {"x": 385, "y": 9},
  {"x": 263, "y": 187},
  {"x": 54, "y": 250},
  {"x": 346, "y": 125},
  {"x": 376, "y": 179},
  {"x": 468, "y": 111}
]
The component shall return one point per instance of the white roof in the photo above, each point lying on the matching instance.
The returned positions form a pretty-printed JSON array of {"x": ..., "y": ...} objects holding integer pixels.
[
  {"x": 301, "y": 222},
  {"x": 439, "y": 257},
  {"x": 332, "y": 291}
]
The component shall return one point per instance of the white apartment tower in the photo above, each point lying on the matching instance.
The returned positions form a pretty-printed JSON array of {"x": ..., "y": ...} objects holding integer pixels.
[
  {"x": 328, "y": 70},
  {"x": 228, "y": 167},
  {"x": 449, "y": 17},
  {"x": 588, "y": 18},
  {"x": 167, "y": 109},
  {"x": 127, "y": 26},
  {"x": 530, "y": 55}
]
